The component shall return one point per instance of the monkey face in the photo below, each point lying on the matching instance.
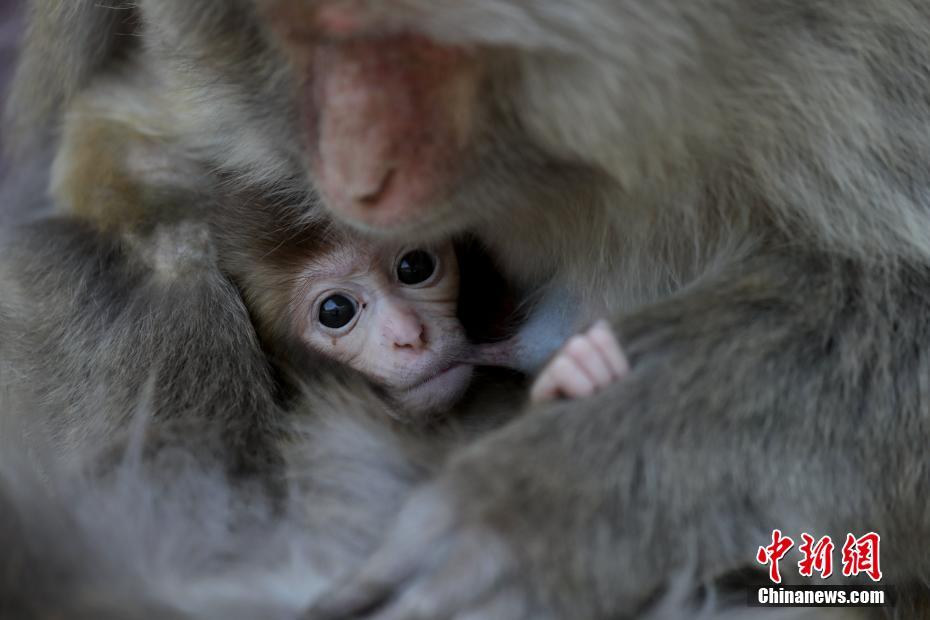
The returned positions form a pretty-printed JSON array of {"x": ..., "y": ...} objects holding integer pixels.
[
  {"x": 401, "y": 135},
  {"x": 391, "y": 313},
  {"x": 412, "y": 110}
]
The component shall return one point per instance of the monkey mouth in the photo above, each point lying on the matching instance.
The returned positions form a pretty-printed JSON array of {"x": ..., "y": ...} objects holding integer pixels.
[
  {"x": 438, "y": 376},
  {"x": 438, "y": 390}
]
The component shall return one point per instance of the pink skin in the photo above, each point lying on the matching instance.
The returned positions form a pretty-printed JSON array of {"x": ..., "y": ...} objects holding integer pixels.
[
  {"x": 403, "y": 103},
  {"x": 387, "y": 121},
  {"x": 406, "y": 337},
  {"x": 409, "y": 339},
  {"x": 585, "y": 365}
]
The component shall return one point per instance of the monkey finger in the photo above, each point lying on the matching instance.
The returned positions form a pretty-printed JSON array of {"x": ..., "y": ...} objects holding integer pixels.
[
  {"x": 545, "y": 387},
  {"x": 409, "y": 548},
  {"x": 353, "y": 598},
  {"x": 426, "y": 598},
  {"x": 367, "y": 590},
  {"x": 508, "y": 604},
  {"x": 421, "y": 602},
  {"x": 602, "y": 336},
  {"x": 466, "y": 574},
  {"x": 413, "y": 605},
  {"x": 589, "y": 359},
  {"x": 561, "y": 377}
]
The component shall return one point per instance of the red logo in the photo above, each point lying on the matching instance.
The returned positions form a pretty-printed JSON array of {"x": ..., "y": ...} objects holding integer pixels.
[
  {"x": 773, "y": 553},
  {"x": 817, "y": 557},
  {"x": 860, "y": 555}
]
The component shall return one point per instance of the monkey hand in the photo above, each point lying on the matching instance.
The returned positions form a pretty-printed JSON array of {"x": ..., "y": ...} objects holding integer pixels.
[{"x": 586, "y": 364}]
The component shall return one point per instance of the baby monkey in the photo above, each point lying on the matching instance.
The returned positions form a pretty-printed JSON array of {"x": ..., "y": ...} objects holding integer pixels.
[{"x": 390, "y": 311}]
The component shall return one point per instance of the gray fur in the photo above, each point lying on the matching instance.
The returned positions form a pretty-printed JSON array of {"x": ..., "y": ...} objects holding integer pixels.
[
  {"x": 89, "y": 33},
  {"x": 152, "y": 472},
  {"x": 742, "y": 187},
  {"x": 753, "y": 218}
]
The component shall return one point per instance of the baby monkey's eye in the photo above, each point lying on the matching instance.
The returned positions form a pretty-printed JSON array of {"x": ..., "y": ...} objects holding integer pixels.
[
  {"x": 336, "y": 311},
  {"x": 415, "y": 267}
]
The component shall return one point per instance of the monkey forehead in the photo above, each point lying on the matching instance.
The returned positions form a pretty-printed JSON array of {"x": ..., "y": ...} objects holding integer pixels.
[
  {"x": 352, "y": 258},
  {"x": 356, "y": 256}
]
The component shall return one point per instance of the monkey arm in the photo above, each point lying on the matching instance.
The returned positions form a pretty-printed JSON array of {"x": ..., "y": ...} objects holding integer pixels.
[
  {"x": 97, "y": 328},
  {"x": 758, "y": 400}
]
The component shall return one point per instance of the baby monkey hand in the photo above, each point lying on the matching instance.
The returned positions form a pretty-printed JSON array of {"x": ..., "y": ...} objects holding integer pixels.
[{"x": 586, "y": 364}]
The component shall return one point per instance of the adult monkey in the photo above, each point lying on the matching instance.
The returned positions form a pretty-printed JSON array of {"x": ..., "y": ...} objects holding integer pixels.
[
  {"x": 750, "y": 180},
  {"x": 757, "y": 231}
]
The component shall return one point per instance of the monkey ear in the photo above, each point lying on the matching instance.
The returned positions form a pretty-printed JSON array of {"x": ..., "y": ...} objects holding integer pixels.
[{"x": 69, "y": 42}]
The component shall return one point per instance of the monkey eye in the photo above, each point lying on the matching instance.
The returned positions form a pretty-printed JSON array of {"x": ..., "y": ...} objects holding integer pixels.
[
  {"x": 337, "y": 311},
  {"x": 416, "y": 267}
]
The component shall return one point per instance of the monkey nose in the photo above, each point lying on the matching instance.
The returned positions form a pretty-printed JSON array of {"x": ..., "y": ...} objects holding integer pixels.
[
  {"x": 337, "y": 20},
  {"x": 413, "y": 341},
  {"x": 408, "y": 334},
  {"x": 372, "y": 193}
]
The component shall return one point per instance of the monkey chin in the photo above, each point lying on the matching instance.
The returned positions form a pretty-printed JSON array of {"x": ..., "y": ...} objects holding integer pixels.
[{"x": 438, "y": 393}]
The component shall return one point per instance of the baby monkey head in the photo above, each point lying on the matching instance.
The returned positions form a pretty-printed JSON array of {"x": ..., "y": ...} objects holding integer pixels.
[{"x": 390, "y": 312}]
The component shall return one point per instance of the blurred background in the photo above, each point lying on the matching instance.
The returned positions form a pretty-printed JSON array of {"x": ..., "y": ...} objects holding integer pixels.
[
  {"x": 22, "y": 183},
  {"x": 11, "y": 26}
]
